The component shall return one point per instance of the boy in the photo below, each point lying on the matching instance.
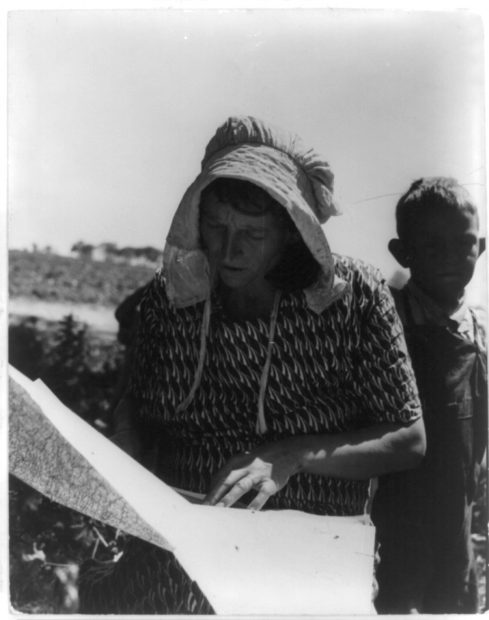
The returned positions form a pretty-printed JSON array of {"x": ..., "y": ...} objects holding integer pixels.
[{"x": 423, "y": 516}]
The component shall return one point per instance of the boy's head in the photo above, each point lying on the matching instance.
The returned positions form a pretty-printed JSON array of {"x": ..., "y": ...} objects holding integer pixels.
[{"x": 438, "y": 230}]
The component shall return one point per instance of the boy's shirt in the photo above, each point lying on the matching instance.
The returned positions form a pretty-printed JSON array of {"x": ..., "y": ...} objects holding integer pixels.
[
  {"x": 417, "y": 310},
  {"x": 424, "y": 311}
]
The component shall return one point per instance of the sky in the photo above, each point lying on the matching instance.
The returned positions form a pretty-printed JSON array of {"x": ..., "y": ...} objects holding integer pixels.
[{"x": 109, "y": 112}]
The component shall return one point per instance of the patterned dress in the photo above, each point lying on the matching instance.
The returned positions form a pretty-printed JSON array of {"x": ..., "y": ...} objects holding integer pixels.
[{"x": 338, "y": 371}]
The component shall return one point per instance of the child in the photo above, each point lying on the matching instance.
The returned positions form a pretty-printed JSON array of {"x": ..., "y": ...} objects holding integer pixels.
[{"x": 423, "y": 516}]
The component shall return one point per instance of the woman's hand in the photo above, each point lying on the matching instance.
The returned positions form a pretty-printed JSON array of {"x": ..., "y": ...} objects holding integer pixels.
[{"x": 266, "y": 470}]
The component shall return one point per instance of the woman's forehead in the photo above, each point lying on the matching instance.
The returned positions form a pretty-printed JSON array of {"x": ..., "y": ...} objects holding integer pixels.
[{"x": 244, "y": 210}]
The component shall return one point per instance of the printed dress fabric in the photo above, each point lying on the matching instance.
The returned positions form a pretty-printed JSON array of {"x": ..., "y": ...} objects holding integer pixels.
[{"x": 334, "y": 372}]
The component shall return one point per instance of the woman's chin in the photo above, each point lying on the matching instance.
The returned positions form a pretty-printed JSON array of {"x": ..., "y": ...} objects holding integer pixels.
[{"x": 233, "y": 278}]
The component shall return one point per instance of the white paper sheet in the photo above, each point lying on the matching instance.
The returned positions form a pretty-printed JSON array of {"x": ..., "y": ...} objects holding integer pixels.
[{"x": 245, "y": 562}]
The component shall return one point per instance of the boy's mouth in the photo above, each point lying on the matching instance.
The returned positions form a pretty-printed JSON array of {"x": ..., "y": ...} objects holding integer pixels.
[
  {"x": 447, "y": 275},
  {"x": 450, "y": 278}
]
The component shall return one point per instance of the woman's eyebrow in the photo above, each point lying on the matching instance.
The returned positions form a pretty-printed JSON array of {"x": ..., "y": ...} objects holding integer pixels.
[{"x": 209, "y": 214}]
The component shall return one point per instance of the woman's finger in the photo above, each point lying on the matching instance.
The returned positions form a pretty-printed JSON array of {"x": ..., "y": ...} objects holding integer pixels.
[
  {"x": 267, "y": 489},
  {"x": 221, "y": 488},
  {"x": 242, "y": 486}
]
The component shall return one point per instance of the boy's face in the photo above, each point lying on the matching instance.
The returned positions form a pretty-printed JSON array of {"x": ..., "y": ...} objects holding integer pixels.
[{"x": 442, "y": 252}]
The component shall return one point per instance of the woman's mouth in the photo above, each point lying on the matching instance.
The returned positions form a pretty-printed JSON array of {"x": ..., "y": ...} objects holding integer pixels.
[{"x": 231, "y": 268}]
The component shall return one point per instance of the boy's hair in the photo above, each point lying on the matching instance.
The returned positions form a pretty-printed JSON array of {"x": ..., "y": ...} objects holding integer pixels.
[
  {"x": 298, "y": 268},
  {"x": 430, "y": 193}
]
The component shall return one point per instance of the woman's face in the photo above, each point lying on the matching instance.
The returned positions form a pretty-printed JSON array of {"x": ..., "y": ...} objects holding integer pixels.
[{"x": 241, "y": 247}]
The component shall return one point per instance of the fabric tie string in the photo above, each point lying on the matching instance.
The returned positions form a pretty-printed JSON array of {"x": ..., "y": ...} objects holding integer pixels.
[
  {"x": 204, "y": 330},
  {"x": 261, "y": 424}
]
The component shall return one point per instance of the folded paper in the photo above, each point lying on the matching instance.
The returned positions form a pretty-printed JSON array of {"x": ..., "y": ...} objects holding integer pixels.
[{"x": 245, "y": 562}]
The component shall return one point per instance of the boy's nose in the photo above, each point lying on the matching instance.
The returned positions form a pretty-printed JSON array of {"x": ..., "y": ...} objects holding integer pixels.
[
  {"x": 449, "y": 255},
  {"x": 444, "y": 253}
]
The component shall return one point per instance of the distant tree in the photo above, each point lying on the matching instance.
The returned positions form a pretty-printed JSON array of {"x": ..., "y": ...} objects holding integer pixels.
[
  {"x": 67, "y": 361},
  {"x": 108, "y": 247},
  {"x": 109, "y": 251},
  {"x": 127, "y": 253},
  {"x": 25, "y": 347},
  {"x": 151, "y": 254},
  {"x": 83, "y": 250},
  {"x": 144, "y": 254}
]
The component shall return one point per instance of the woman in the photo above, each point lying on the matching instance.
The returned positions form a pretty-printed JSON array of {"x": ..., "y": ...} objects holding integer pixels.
[{"x": 266, "y": 371}]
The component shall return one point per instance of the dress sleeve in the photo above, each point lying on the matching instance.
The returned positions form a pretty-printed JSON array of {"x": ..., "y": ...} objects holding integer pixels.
[
  {"x": 385, "y": 377},
  {"x": 145, "y": 380}
]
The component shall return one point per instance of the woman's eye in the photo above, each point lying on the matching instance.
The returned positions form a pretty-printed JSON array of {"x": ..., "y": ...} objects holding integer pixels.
[
  {"x": 212, "y": 224},
  {"x": 256, "y": 235},
  {"x": 468, "y": 243}
]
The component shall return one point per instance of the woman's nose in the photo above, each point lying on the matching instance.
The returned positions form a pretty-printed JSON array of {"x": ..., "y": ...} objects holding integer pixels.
[{"x": 231, "y": 246}]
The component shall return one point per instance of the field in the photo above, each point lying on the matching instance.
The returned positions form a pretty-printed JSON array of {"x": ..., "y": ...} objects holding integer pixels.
[
  {"x": 81, "y": 365},
  {"x": 50, "y": 277}
]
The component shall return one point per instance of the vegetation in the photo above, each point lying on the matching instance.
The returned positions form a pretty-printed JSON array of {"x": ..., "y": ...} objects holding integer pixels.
[
  {"x": 50, "y": 277},
  {"x": 110, "y": 251},
  {"x": 49, "y": 542}
]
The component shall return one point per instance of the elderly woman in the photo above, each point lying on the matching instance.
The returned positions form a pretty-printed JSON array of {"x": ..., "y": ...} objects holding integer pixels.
[{"x": 266, "y": 370}]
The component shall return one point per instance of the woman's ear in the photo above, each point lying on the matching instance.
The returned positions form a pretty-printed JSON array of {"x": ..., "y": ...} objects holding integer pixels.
[
  {"x": 399, "y": 252},
  {"x": 482, "y": 245}
]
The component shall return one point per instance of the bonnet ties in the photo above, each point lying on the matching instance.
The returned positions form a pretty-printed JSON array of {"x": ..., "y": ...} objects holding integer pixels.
[
  {"x": 204, "y": 330},
  {"x": 261, "y": 424}
]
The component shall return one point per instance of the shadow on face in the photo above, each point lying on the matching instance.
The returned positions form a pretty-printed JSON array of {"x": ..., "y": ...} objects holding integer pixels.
[{"x": 250, "y": 239}]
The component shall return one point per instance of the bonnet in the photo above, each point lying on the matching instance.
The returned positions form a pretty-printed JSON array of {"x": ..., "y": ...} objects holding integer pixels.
[{"x": 251, "y": 150}]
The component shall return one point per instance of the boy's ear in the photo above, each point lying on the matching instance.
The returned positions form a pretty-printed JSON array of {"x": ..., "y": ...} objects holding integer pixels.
[
  {"x": 399, "y": 252},
  {"x": 482, "y": 245}
]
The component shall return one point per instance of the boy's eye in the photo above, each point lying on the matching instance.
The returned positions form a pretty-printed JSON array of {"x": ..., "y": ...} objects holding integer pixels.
[
  {"x": 432, "y": 246},
  {"x": 468, "y": 242}
]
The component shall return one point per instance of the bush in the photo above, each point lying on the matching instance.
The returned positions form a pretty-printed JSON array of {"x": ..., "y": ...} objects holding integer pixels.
[
  {"x": 80, "y": 367},
  {"x": 48, "y": 542}
]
